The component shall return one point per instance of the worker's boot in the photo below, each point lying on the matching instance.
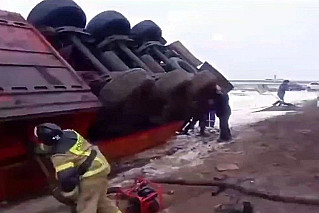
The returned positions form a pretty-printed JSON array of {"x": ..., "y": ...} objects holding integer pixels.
[
  {"x": 202, "y": 133},
  {"x": 225, "y": 134},
  {"x": 202, "y": 126},
  {"x": 224, "y": 139},
  {"x": 182, "y": 132}
]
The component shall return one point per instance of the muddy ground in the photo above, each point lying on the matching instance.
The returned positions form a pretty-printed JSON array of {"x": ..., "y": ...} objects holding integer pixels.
[{"x": 279, "y": 155}]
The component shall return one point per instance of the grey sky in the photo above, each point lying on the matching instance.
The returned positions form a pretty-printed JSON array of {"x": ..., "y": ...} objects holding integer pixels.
[{"x": 244, "y": 39}]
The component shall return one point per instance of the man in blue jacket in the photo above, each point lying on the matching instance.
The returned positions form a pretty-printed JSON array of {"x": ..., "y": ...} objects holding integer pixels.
[{"x": 284, "y": 86}]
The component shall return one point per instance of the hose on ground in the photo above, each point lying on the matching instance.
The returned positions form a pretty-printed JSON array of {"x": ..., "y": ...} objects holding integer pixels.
[{"x": 237, "y": 187}]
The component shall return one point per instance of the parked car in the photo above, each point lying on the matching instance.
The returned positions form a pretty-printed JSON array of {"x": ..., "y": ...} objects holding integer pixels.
[
  {"x": 296, "y": 87},
  {"x": 313, "y": 86}
]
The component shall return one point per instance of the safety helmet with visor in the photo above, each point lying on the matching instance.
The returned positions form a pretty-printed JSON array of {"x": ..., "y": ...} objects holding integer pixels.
[{"x": 48, "y": 133}]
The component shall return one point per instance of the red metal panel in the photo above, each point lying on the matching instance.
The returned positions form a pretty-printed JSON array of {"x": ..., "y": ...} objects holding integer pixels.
[
  {"x": 135, "y": 143},
  {"x": 30, "y": 77},
  {"x": 28, "y": 59},
  {"x": 21, "y": 179},
  {"x": 10, "y": 16},
  {"x": 20, "y": 38},
  {"x": 34, "y": 78}
]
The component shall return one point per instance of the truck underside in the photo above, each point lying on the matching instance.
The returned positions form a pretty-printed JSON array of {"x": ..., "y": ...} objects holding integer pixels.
[{"x": 121, "y": 87}]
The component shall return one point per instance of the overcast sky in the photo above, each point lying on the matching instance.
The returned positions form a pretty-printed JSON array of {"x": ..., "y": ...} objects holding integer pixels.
[{"x": 244, "y": 39}]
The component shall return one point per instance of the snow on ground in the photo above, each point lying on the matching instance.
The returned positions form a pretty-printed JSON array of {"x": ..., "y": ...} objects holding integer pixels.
[
  {"x": 188, "y": 151},
  {"x": 244, "y": 104}
]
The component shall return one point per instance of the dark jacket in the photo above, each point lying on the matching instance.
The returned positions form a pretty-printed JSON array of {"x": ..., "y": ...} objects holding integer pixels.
[
  {"x": 282, "y": 90},
  {"x": 218, "y": 102},
  {"x": 221, "y": 105}
]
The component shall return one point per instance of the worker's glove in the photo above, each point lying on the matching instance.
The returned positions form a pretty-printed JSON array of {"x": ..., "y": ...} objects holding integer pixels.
[
  {"x": 41, "y": 149},
  {"x": 72, "y": 195},
  {"x": 58, "y": 194},
  {"x": 69, "y": 179}
]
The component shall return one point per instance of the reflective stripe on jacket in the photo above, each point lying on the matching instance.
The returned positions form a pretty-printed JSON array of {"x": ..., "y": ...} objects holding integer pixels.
[{"x": 74, "y": 156}]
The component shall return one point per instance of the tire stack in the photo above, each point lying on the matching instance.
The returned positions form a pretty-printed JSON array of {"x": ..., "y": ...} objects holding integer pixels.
[
  {"x": 140, "y": 81},
  {"x": 116, "y": 88},
  {"x": 168, "y": 85},
  {"x": 148, "y": 37}
]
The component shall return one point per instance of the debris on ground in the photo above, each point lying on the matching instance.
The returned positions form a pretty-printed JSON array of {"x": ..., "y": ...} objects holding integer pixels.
[
  {"x": 246, "y": 207},
  {"x": 226, "y": 167}
]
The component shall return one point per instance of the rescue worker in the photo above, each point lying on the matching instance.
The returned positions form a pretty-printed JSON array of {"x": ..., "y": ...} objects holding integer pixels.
[
  {"x": 217, "y": 102},
  {"x": 81, "y": 168},
  {"x": 284, "y": 86},
  {"x": 199, "y": 117},
  {"x": 199, "y": 110}
]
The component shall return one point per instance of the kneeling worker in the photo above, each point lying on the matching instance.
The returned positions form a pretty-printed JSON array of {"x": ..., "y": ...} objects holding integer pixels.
[{"x": 81, "y": 168}]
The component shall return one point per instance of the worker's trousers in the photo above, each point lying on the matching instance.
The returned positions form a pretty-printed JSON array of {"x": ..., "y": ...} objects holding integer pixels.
[{"x": 93, "y": 197}]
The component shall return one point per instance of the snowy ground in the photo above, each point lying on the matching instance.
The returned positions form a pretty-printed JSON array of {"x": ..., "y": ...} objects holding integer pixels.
[{"x": 245, "y": 103}]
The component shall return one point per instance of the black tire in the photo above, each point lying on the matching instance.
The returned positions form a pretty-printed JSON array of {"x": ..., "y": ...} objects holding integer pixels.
[
  {"x": 203, "y": 84},
  {"x": 171, "y": 81},
  {"x": 124, "y": 86},
  {"x": 173, "y": 88},
  {"x": 177, "y": 63},
  {"x": 108, "y": 23},
  {"x": 55, "y": 14},
  {"x": 146, "y": 31}
]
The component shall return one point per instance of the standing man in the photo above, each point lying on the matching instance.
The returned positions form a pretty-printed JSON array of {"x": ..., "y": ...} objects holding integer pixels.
[{"x": 80, "y": 167}]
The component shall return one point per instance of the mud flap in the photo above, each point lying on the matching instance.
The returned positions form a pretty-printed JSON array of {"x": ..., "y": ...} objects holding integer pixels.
[{"x": 222, "y": 82}]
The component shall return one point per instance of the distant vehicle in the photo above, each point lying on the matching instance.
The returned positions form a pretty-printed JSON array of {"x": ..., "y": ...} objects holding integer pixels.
[
  {"x": 296, "y": 87},
  {"x": 313, "y": 86}
]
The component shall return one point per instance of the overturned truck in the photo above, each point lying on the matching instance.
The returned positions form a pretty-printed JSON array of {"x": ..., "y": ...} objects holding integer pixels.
[{"x": 122, "y": 87}]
